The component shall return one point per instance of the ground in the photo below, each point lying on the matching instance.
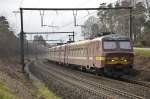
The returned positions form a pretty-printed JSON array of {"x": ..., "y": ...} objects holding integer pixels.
[
  {"x": 17, "y": 85},
  {"x": 142, "y": 63}
]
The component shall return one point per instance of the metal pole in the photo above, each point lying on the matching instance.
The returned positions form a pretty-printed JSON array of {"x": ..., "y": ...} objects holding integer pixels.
[
  {"x": 22, "y": 41},
  {"x": 71, "y": 9},
  {"x": 27, "y": 48},
  {"x": 131, "y": 23},
  {"x": 73, "y": 36}
]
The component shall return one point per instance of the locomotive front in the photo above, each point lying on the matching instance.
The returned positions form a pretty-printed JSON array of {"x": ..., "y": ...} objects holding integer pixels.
[{"x": 118, "y": 53}]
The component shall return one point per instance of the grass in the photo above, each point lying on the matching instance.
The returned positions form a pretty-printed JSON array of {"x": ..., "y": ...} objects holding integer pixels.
[
  {"x": 142, "y": 52},
  {"x": 44, "y": 92},
  {"x": 5, "y": 93}
]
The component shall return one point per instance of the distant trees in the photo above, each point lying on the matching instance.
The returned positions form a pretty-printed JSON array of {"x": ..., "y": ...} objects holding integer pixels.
[
  {"x": 4, "y": 25},
  {"x": 90, "y": 28},
  {"x": 118, "y": 21},
  {"x": 9, "y": 43},
  {"x": 146, "y": 34},
  {"x": 39, "y": 39}
]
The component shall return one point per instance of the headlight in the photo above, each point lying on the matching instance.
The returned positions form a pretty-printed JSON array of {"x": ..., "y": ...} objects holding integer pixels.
[
  {"x": 112, "y": 60},
  {"x": 125, "y": 60}
]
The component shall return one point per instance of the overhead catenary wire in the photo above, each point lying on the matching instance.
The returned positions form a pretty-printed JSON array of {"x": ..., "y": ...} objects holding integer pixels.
[
  {"x": 42, "y": 13},
  {"x": 79, "y": 19},
  {"x": 133, "y": 14}
]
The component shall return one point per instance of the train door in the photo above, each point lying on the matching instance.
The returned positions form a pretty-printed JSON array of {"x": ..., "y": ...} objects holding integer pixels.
[
  {"x": 88, "y": 60},
  {"x": 65, "y": 54},
  {"x": 95, "y": 54},
  {"x": 90, "y": 49},
  {"x": 98, "y": 54},
  {"x": 59, "y": 54}
]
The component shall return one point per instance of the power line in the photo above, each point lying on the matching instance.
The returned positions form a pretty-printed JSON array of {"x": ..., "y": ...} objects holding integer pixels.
[{"x": 79, "y": 19}]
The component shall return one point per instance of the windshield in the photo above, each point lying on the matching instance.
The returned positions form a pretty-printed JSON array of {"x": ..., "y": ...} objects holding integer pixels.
[
  {"x": 110, "y": 45},
  {"x": 125, "y": 45}
]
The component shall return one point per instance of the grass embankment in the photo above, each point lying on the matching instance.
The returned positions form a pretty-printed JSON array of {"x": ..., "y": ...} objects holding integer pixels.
[
  {"x": 142, "y": 63},
  {"x": 44, "y": 92},
  {"x": 142, "y": 52},
  {"x": 5, "y": 92}
]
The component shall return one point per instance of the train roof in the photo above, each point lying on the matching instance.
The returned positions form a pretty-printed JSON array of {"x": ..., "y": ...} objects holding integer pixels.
[
  {"x": 106, "y": 37},
  {"x": 113, "y": 37}
]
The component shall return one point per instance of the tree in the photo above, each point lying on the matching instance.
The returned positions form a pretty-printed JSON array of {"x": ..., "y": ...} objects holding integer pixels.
[
  {"x": 90, "y": 27},
  {"x": 146, "y": 34},
  {"x": 4, "y": 25},
  {"x": 9, "y": 43},
  {"x": 39, "y": 40},
  {"x": 118, "y": 21}
]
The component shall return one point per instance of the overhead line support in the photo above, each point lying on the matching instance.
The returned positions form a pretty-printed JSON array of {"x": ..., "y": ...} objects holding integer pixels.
[
  {"x": 48, "y": 32},
  {"x": 22, "y": 41},
  {"x": 60, "y": 9},
  {"x": 67, "y": 9}
]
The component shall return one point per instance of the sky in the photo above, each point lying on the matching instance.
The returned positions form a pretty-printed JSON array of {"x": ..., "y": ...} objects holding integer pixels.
[{"x": 32, "y": 19}]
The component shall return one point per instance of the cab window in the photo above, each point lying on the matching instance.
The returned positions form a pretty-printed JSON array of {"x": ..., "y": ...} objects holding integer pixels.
[
  {"x": 109, "y": 45},
  {"x": 125, "y": 45}
]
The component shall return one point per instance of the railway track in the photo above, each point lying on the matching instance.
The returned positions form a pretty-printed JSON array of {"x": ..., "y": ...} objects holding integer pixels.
[
  {"x": 74, "y": 82},
  {"x": 128, "y": 86},
  {"x": 92, "y": 84},
  {"x": 133, "y": 81},
  {"x": 123, "y": 81}
]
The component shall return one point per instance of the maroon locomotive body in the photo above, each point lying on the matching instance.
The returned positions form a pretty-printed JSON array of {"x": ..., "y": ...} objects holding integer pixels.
[{"x": 107, "y": 54}]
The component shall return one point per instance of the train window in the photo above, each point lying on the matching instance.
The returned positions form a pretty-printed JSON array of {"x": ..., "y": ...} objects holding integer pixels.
[
  {"x": 125, "y": 45},
  {"x": 83, "y": 51},
  {"x": 79, "y": 51},
  {"x": 89, "y": 51},
  {"x": 110, "y": 45},
  {"x": 71, "y": 52}
]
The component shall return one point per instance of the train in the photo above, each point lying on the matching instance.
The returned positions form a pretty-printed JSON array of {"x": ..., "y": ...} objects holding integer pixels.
[{"x": 109, "y": 54}]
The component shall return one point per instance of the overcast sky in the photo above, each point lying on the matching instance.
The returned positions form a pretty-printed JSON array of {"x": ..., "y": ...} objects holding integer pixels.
[{"x": 32, "y": 19}]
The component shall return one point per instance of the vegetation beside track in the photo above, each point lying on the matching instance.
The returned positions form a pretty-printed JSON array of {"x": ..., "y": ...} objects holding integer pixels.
[
  {"x": 44, "y": 92},
  {"x": 142, "y": 63},
  {"x": 142, "y": 52},
  {"x": 5, "y": 92}
]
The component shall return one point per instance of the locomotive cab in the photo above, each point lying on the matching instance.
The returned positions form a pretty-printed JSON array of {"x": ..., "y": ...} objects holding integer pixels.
[{"x": 118, "y": 53}]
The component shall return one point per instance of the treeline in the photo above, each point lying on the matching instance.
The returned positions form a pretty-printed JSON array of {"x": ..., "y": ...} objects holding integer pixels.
[
  {"x": 118, "y": 21},
  {"x": 10, "y": 43}
]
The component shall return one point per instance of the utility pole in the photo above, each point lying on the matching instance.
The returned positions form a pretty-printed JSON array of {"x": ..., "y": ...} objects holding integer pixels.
[
  {"x": 131, "y": 24},
  {"x": 22, "y": 41},
  {"x": 73, "y": 36}
]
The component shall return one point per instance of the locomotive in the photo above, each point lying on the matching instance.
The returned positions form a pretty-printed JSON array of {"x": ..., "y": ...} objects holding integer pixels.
[{"x": 109, "y": 54}]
